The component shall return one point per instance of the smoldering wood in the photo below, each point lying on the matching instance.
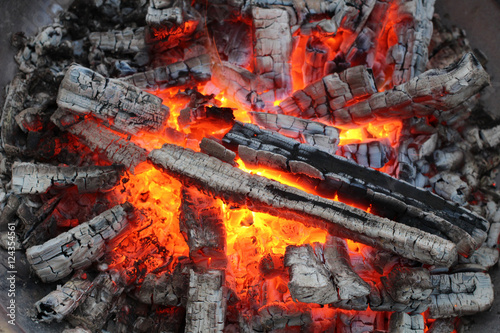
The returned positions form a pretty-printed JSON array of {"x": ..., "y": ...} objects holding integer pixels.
[
  {"x": 30, "y": 119},
  {"x": 413, "y": 28},
  {"x": 122, "y": 105},
  {"x": 490, "y": 136},
  {"x": 165, "y": 14},
  {"x": 116, "y": 148},
  {"x": 202, "y": 225},
  {"x": 79, "y": 247},
  {"x": 401, "y": 322},
  {"x": 450, "y": 186},
  {"x": 486, "y": 257},
  {"x": 93, "y": 312},
  {"x": 10, "y": 209},
  {"x": 188, "y": 72},
  {"x": 215, "y": 149},
  {"x": 273, "y": 48},
  {"x": 313, "y": 133},
  {"x": 374, "y": 154},
  {"x": 460, "y": 294},
  {"x": 261, "y": 194},
  {"x": 351, "y": 321},
  {"x": 437, "y": 89},
  {"x": 206, "y": 304},
  {"x": 322, "y": 98},
  {"x": 277, "y": 316},
  {"x": 449, "y": 158},
  {"x": 239, "y": 85},
  {"x": 403, "y": 202},
  {"x": 442, "y": 325},
  {"x": 31, "y": 178},
  {"x": 12, "y": 137},
  {"x": 315, "y": 60},
  {"x": 128, "y": 41},
  {"x": 32, "y": 218},
  {"x": 64, "y": 300},
  {"x": 356, "y": 15}
]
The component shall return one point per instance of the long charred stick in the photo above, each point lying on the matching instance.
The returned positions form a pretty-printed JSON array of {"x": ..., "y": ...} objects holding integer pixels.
[
  {"x": 437, "y": 89},
  {"x": 128, "y": 41},
  {"x": 61, "y": 302},
  {"x": 460, "y": 294},
  {"x": 261, "y": 194},
  {"x": 202, "y": 224},
  {"x": 322, "y": 98},
  {"x": 194, "y": 70},
  {"x": 79, "y": 247},
  {"x": 387, "y": 196},
  {"x": 206, "y": 304},
  {"x": 124, "y": 106},
  {"x": 38, "y": 178}
]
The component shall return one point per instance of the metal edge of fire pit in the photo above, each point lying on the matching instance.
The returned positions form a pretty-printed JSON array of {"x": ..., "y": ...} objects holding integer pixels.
[{"x": 478, "y": 18}]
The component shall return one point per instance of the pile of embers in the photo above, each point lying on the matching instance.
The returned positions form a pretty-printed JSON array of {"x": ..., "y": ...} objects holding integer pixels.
[{"x": 252, "y": 166}]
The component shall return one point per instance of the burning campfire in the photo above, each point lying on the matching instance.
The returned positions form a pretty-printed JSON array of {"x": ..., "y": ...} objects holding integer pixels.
[{"x": 252, "y": 166}]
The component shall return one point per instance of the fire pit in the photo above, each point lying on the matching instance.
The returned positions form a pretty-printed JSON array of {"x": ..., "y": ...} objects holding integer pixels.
[{"x": 251, "y": 167}]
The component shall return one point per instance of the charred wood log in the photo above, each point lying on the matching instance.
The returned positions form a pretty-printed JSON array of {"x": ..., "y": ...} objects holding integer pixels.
[
  {"x": 10, "y": 209},
  {"x": 374, "y": 154},
  {"x": 273, "y": 48},
  {"x": 439, "y": 89},
  {"x": 206, "y": 304},
  {"x": 277, "y": 316},
  {"x": 460, "y": 294},
  {"x": 188, "y": 72},
  {"x": 122, "y": 105},
  {"x": 116, "y": 148},
  {"x": 215, "y": 149},
  {"x": 30, "y": 178},
  {"x": 13, "y": 139},
  {"x": 387, "y": 196},
  {"x": 442, "y": 325},
  {"x": 322, "y": 98},
  {"x": 401, "y": 322},
  {"x": 202, "y": 225},
  {"x": 313, "y": 133},
  {"x": 93, "y": 312},
  {"x": 128, "y": 41},
  {"x": 61, "y": 302},
  {"x": 79, "y": 247},
  {"x": 32, "y": 218},
  {"x": 315, "y": 60},
  {"x": 484, "y": 257},
  {"x": 356, "y": 15},
  {"x": 261, "y": 194}
]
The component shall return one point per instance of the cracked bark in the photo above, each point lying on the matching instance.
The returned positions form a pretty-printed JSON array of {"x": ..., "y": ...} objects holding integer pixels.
[
  {"x": 79, "y": 247},
  {"x": 121, "y": 105},
  {"x": 128, "y": 41},
  {"x": 30, "y": 178},
  {"x": 401, "y": 322}
]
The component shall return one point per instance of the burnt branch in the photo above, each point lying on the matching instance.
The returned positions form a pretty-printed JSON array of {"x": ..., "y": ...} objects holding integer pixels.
[{"x": 128, "y": 41}]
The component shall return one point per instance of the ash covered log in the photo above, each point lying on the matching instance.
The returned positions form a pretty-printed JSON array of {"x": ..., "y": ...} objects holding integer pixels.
[
  {"x": 442, "y": 325},
  {"x": 128, "y": 41},
  {"x": 315, "y": 60},
  {"x": 460, "y": 294},
  {"x": 261, "y": 194},
  {"x": 387, "y": 196},
  {"x": 30, "y": 178},
  {"x": 12, "y": 137},
  {"x": 313, "y": 133},
  {"x": 202, "y": 225},
  {"x": 275, "y": 316},
  {"x": 64, "y": 300},
  {"x": 273, "y": 48},
  {"x": 122, "y": 105},
  {"x": 374, "y": 154},
  {"x": 93, "y": 312},
  {"x": 437, "y": 89},
  {"x": 215, "y": 149},
  {"x": 172, "y": 17},
  {"x": 401, "y": 322},
  {"x": 116, "y": 148},
  {"x": 191, "y": 71},
  {"x": 322, "y": 98},
  {"x": 206, "y": 302},
  {"x": 79, "y": 247}
]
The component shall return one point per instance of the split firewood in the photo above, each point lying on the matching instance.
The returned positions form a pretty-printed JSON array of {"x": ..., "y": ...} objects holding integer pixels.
[
  {"x": 189, "y": 72},
  {"x": 215, "y": 149},
  {"x": 460, "y": 294},
  {"x": 404, "y": 203},
  {"x": 204, "y": 229},
  {"x": 79, "y": 247},
  {"x": 64, "y": 300},
  {"x": 128, "y": 41},
  {"x": 273, "y": 48},
  {"x": 30, "y": 178},
  {"x": 235, "y": 186},
  {"x": 92, "y": 313},
  {"x": 206, "y": 304},
  {"x": 401, "y": 322},
  {"x": 313, "y": 133},
  {"x": 116, "y": 148},
  {"x": 413, "y": 28},
  {"x": 122, "y": 105},
  {"x": 12, "y": 136},
  {"x": 437, "y": 89},
  {"x": 322, "y": 98}
]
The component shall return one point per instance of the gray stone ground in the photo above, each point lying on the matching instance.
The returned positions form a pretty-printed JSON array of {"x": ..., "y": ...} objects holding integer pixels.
[{"x": 480, "y": 18}]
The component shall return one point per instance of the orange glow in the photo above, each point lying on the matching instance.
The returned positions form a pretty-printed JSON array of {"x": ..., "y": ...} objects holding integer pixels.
[{"x": 372, "y": 132}]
